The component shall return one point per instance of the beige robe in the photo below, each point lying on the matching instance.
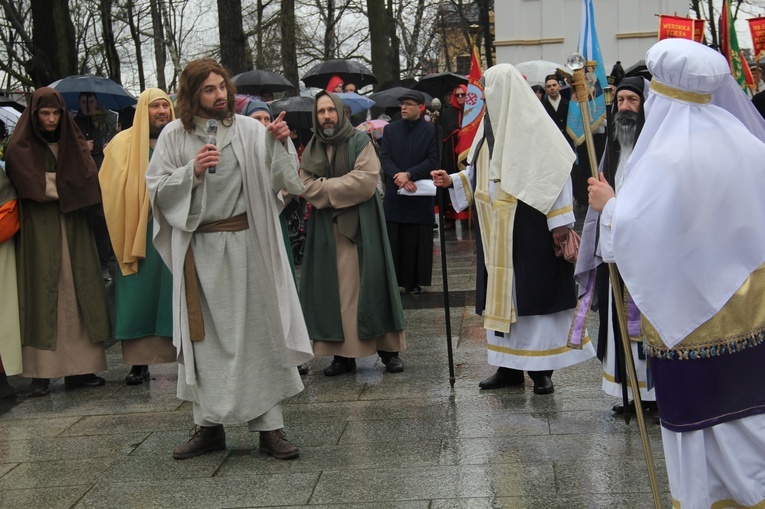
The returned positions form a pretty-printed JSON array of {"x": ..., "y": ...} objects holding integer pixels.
[{"x": 10, "y": 331}]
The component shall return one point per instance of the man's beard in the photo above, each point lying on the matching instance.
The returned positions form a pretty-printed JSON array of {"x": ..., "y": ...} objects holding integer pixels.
[
  {"x": 328, "y": 130},
  {"x": 155, "y": 129},
  {"x": 214, "y": 113},
  {"x": 625, "y": 128}
]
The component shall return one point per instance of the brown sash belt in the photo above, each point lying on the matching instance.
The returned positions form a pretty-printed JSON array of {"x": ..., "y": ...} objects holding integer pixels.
[{"x": 190, "y": 279}]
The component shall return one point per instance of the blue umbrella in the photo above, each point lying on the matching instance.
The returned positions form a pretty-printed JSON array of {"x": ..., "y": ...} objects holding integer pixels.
[
  {"x": 111, "y": 95},
  {"x": 358, "y": 103}
]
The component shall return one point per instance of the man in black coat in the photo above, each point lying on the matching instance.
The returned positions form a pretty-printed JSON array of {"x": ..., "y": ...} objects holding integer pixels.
[
  {"x": 555, "y": 104},
  {"x": 408, "y": 154}
]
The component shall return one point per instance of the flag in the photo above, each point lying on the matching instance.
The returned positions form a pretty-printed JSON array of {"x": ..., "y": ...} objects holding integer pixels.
[
  {"x": 757, "y": 29},
  {"x": 698, "y": 30},
  {"x": 748, "y": 74},
  {"x": 676, "y": 27},
  {"x": 472, "y": 112},
  {"x": 729, "y": 44},
  {"x": 595, "y": 75}
]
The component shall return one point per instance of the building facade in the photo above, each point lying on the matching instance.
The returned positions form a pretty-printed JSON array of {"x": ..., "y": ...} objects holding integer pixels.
[{"x": 549, "y": 29}]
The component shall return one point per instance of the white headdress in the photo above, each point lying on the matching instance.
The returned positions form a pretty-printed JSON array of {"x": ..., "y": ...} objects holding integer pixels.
[
  {"x": 689, "y": 223},
  {"x": 531, "y": 158}
]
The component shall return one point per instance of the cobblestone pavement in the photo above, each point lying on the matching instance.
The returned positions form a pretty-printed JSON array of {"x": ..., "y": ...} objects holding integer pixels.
[{"x": 367, "y": 439}]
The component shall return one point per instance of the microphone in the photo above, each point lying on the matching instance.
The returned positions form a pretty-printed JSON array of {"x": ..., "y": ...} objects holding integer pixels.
[{"x": 212, "y": 139}]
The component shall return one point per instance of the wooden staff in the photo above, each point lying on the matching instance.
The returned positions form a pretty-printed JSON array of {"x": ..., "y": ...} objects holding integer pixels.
[{"x": 579, "y": 84}]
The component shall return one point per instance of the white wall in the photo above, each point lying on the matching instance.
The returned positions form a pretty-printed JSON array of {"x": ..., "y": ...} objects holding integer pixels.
[{"x": 549, "y": 29}]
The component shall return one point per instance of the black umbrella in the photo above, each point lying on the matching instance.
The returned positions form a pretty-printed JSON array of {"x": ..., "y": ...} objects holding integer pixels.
[
  {"x": 299, "y": 111},
  {"x": 389, "y": 98},
  {"x": 253, "y": 82},
  {"x": 350, "y": 72},
  {"x": 438, "y": 84},
  {"x": 111, "y": 95}
]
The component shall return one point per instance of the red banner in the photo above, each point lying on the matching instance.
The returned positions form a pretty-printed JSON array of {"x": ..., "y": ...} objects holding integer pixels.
[
  {"x": 675, "y": 27},
  {"x": 757, "y": 28},
  {"x": 698, "y": 30}
]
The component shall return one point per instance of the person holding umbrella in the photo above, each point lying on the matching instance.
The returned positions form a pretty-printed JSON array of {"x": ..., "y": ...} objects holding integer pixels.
[
  {"x": 87, "y": 113},
  {"x": 64, "y": 314}
]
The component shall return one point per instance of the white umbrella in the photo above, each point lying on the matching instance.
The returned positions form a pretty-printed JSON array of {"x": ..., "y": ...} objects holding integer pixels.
[
  {"x": 536, "y": 70},
  {"x": 9, "y": 116}
]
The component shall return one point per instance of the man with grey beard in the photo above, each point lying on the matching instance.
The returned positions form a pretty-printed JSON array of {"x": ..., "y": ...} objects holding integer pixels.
[
  {"x": 345, "y": 245},
  {"x": 628, "y": 120}
]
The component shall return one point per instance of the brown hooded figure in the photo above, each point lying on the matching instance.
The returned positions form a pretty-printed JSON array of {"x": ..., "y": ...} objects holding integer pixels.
[{"x": 64, "y": 314}]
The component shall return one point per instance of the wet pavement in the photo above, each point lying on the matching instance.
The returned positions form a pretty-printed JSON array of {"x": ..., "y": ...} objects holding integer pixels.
[{"x": 367, "y": 439}]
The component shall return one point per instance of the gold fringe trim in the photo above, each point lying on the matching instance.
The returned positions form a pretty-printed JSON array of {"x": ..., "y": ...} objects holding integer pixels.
[{"x": 730, "y": 346}]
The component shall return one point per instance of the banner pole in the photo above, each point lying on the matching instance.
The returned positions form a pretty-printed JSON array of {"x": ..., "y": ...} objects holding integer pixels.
[{"x": 580, "y": 86}]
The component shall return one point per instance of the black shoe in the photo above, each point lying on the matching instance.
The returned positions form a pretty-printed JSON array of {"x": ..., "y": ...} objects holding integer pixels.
[
  {"x": 504, "y": 377},
  {"x": 89, "y": 380},
  {"x": 6, "y": 391},
  {"x": 414, "y": 290},
  {"x": 203, "y": 439},
  {"x": 137, "y": 375},
  {"x": 39, "y": 387},
  {"x": 339, "y": 366},
  {"x": 303, "y": 369},
  {"x": 543, "y": 385},
  {"x": 393, "y": 364}
]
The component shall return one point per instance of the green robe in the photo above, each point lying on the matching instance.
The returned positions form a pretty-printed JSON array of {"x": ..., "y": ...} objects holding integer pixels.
[
  {"x": 143, "y": 302},
  {"x": 379, "y": 305},
  {"x": 38, "y": 255}
]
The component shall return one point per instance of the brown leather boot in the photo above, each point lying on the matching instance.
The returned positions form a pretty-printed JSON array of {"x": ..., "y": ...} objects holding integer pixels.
[
  {"x": 276, "y": 444},
  {"x": 203, "y": 439}
]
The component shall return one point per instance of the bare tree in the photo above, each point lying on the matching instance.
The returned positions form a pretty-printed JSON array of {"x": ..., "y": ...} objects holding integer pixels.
[
  {"x": 234, "y": 50},
  {"x": 133, "y": 20},
  {"x": 110, "y": 44},
  {"x": 343, "y": 30},
  {"x": 17, "y": 43},
  {"x": 181, "y": 23},
  {"x": 42, "y": 50},
  {"x": 384, "y": 62},
  {"x": 288, "y": 45},
  {"x": 711, "y": 13}
]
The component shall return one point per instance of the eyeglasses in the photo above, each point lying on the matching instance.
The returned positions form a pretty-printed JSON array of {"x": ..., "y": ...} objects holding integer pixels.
[{"x": 459, "y": 95}]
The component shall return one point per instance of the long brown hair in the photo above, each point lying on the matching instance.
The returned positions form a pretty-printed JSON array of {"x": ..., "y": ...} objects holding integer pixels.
[{"x": 190, "y": 85}]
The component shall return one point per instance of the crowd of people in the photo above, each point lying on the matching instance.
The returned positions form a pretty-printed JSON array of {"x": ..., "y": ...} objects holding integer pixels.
[{"x": 205, "y": 278}]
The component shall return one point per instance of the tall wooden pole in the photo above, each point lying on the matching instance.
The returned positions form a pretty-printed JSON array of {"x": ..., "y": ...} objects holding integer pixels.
[{"x": 579, "y": 84}]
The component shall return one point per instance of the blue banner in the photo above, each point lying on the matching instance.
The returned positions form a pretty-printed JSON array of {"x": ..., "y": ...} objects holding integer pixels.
[{"x": 595, "y": 75}]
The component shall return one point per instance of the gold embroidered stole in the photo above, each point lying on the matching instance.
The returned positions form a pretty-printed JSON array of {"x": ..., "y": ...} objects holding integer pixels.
[{"x": 496, "y": 218}]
